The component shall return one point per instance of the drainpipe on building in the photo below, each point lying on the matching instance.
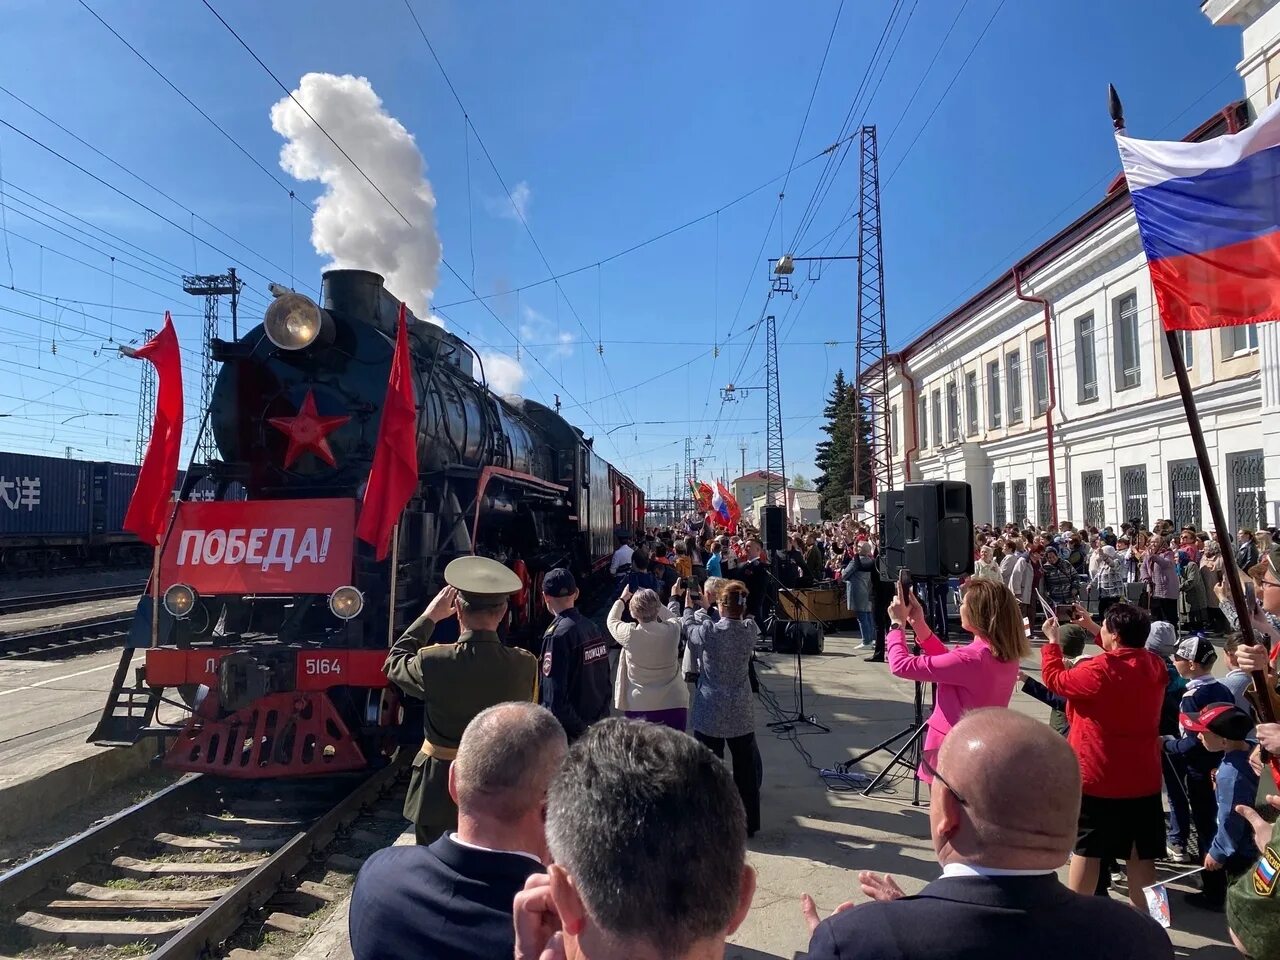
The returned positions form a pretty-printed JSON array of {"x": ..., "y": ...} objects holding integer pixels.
[
  {"x": 1053, "y": 390},
  {"x": 899, "y": 360}
]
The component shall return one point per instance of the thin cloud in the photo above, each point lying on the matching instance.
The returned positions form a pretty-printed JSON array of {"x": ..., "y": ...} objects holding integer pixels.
[
  {"x": 536, "y": 328},
  {"x": 514, "y": 207}
]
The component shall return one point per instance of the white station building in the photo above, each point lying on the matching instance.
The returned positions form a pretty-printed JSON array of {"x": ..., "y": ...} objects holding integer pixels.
[{"x": 1073, "y": 412}]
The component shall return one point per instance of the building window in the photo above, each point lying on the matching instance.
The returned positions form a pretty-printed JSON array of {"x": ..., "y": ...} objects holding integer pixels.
[
  {"x": 1184, "y": 494},
  {"x": 922, "y": 423},
  {"x": 993, "y": 394},
  {"x": 1246, "y": 485},
  {"x": 1042, "y": 501},
  {"x": 1020, "y": 503},
  {"x": 1128, "y": 359},
  {"x": 1239, "y": 339},
  {"x": 1013, "y": 385},
  {"x": 1188, "y": 353},
  {"x": 1040, "y": 375},
  {"x": 1091, "y": 495},
  {"x": 1086, "y": 367},
  {"x": 1133, "y": 496},
  {"x": 999, "y": 511},
  {"x": 971, "y": 403},
  {"x": 937, "y": 418},
  {"x": 953, "y": 412}
]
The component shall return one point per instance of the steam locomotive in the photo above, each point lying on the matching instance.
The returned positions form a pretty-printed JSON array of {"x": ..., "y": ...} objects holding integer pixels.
[{"x": 274, "y": 619}]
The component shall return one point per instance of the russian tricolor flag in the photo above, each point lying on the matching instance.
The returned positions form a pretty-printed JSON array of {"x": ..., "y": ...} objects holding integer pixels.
[{"x": 1209, "y": 216}]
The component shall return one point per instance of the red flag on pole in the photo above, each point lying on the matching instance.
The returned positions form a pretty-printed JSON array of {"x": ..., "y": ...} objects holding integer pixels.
[
  {"x": 148, "y": 511},
  {"x": 394, "y": 475}
]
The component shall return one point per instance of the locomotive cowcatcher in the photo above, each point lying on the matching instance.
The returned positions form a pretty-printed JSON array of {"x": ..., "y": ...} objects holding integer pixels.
[{"x": 264, "y": 656}]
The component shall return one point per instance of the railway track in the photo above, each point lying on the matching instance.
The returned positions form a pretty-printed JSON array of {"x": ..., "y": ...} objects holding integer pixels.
[
  {"x": 184, "y": 869},
  {"x": 59, "y": 598},
  {"x": 57, "y": 642}
]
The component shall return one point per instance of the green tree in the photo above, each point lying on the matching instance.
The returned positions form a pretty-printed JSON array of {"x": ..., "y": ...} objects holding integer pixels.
[
  {"x": 834, "y": 455},
  {"x": 846, "y": 428},
  {"x": 800, "y": 482}
]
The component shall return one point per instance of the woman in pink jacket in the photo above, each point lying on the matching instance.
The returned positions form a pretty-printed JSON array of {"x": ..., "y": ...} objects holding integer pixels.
[{"x": 981, "y": 674}]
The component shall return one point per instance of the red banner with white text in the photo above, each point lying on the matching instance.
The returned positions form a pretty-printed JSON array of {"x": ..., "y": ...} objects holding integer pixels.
[{"x": 260, "y": 546}]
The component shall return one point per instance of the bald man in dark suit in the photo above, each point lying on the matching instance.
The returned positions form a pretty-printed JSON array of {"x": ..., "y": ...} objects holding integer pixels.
[
  {"x": 1003, "y": 809},
  {"x": 452, "y": 898}
]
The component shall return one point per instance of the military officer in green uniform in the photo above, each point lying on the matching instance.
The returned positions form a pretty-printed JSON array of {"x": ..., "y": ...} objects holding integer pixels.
[{"x": 456, "y": 681}]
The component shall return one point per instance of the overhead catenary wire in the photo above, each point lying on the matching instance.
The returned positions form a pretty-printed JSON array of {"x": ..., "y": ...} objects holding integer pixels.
[
  {"x": 515, "y": 207},
  {"x": 132, "y": 199},
  {"x": 445, "y": 263},
  {"x": 141, "y": 179},
  {"x": 195, "y": 106}
]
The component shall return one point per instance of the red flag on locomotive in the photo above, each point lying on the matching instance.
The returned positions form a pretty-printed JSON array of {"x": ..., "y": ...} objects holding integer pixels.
[
  {"x": 394, "y": 475},
  {"x": 148, "y": 511}
]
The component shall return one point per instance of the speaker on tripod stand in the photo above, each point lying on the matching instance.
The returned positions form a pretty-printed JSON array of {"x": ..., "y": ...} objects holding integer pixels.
[{"x": 936, "y": 535}]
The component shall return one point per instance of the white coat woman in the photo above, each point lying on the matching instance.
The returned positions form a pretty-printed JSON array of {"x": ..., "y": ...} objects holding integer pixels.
[{"x": 650, "y": 685}]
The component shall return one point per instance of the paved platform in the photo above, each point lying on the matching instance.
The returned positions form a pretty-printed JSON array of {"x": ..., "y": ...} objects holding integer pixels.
[
  {"x": 47, "y": 710},
  {"x": 814, "y": 840}
]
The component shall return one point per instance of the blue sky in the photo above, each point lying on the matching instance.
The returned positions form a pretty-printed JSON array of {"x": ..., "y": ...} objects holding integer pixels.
[{"x": 619, "y": 125}]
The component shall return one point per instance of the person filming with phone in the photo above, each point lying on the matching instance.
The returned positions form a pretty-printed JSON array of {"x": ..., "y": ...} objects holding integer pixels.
[{"x": 980, "y": 674}]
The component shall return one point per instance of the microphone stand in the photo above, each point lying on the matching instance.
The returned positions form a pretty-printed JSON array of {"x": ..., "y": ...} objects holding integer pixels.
[{"x": 799, "y": 717}]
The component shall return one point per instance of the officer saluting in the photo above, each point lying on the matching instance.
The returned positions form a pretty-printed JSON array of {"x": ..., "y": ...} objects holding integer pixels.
[
  {"x": 576, "y": 685},
  {"x": 456, "y": 681}
]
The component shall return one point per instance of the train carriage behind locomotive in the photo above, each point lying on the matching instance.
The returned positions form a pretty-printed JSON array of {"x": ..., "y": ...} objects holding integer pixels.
[{"x": 275, "y": 618}]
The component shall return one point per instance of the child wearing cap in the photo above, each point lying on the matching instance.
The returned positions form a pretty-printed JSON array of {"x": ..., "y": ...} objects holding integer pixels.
[
  {"x": 1222, "y": 728},
  {"x": 1194, "y": 659}
]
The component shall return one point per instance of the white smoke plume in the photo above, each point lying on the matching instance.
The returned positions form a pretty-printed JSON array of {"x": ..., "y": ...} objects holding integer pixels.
[
  {"x": 353, "y": 224},
  {"x": 504, "y": 374}
]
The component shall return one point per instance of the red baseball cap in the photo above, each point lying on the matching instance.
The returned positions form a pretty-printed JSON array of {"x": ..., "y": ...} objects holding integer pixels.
[{"x": 1224, "y": 719}]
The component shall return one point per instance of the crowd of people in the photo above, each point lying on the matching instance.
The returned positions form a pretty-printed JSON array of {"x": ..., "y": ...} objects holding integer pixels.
[{"x": 548, "y": 829}]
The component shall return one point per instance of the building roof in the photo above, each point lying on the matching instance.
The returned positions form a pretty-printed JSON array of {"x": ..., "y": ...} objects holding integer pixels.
[
  {"x": 756, "y": 475},
  {"x": 1230, "y": 119}
]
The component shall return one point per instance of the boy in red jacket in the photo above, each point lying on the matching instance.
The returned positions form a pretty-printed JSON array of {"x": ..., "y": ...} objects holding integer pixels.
[{"x": 1113, "y": 708}]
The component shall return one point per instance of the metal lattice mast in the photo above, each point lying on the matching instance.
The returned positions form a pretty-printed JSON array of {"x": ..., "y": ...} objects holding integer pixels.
[
  {"x": 211, "y": 287},
  {"x": 871, "y": 385},
  {"x": 775, "y": 462},
  {"x": 146, "y": 401},
  {"x": 686, "y": 493}
]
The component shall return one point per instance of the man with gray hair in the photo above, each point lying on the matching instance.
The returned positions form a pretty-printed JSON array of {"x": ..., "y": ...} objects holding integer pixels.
[
  {"x": 649, "y": 838},
  {"x": 453, "y": 898}
]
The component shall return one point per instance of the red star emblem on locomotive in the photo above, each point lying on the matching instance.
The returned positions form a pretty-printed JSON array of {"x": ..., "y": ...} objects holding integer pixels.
[{"x": 307, "y": 431}]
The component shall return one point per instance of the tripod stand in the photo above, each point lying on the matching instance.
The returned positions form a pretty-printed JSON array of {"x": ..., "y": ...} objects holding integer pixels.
[
  {"x": 906, "y": 760},
  {"x": 799, "y": 717},
  {"x": 907, "y": 757}
]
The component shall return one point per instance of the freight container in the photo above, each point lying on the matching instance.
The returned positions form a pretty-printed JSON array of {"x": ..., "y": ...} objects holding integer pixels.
[
  {"x": 113, "y": 485},
  {"x": 44, "y": 497}
]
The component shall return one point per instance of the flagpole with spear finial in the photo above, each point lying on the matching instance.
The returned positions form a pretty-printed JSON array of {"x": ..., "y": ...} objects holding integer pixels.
[{"x": 1231, "y": 572}]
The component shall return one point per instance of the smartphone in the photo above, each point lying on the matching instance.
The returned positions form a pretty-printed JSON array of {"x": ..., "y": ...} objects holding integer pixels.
[
  {"x": 904, "y": 584},
  {"x": 1064, "y": 612}
]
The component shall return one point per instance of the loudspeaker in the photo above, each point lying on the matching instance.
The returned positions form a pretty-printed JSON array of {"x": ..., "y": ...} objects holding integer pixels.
[
  {"x": 773, "y": 527},
  {"x": 893, "y": 533},
  {"x": 788, "y": 634},
  {"x": 938, "y": 518}
]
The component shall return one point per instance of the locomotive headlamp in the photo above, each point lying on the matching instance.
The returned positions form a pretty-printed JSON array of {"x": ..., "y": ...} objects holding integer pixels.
[
  {"x": 294, "y": 322},
  {"x": 180, "y": 600},
  {"x": 346, "y": 603}
]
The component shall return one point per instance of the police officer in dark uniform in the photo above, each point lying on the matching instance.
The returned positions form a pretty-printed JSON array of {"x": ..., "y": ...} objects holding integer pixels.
[
  {"x": 455, "y": 681},
  {"x": 576, "y": 684}
]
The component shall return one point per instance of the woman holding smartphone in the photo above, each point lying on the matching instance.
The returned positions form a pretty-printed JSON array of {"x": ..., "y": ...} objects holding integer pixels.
[{"x": 980, "y": 674}]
